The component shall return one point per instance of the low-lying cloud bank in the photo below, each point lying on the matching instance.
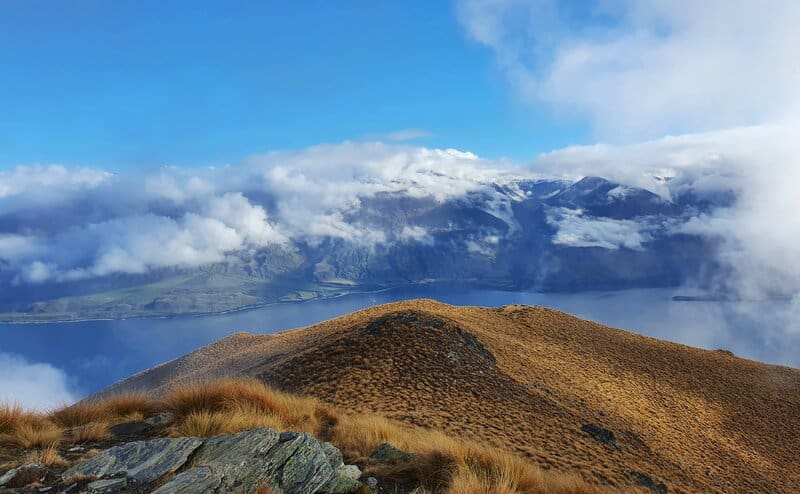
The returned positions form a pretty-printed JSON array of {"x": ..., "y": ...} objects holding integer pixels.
[
  {"x": 96, "y": 223},
  {"x": 32, "y": 385},
  {"x": 761, "y": 165},
  {"x": 73, "y": 227}
]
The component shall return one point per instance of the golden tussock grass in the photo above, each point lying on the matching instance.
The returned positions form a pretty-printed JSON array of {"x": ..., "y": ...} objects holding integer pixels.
[
  {"x": 115, "y": 409},
  {"x": 92, "y": 432},
  {"x": 48, "y": 456},
  {"x": 244, "y": 402},
  {"x": 262, "y": 489},
  {"x": 28, "y": 435}
]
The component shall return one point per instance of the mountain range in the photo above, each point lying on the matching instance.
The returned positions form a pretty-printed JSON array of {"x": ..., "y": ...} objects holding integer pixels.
[{"x": 510, "y": 233}]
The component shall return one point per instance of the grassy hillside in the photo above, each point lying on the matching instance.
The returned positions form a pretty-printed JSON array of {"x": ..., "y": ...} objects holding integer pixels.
[
  {"x": 441, "y": 463},
  {"x": 568, "y": 395}
]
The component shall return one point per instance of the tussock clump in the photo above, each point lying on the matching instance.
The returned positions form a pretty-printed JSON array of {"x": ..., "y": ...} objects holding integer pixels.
[
  {"x": 95, "y": 431},
  {"x": 48, "y": 456},
  {"x": 204, "y": 424},
  {"x": 245, "y": 402},
  {"x": 28, "y": 435},
  {"x": 115, "y": 409}
]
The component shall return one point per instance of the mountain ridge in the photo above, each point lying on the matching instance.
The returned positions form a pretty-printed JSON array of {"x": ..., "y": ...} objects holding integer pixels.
[{"x": 567, "y": 394}]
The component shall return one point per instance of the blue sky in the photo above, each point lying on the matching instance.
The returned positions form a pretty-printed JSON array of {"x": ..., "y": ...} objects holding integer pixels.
[{"x": 127, "y": 84}]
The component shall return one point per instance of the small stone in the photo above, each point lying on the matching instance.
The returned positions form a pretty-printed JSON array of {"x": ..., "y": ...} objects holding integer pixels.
[
  {"x": 107, "y": 485},
  {"x": 70, "y": 488},
  {"x": 388, "y": 453},
  {"x": 372, "y": 482},
  {"x": 129, "y": 429},
  {"x": 162, "y": 418}
]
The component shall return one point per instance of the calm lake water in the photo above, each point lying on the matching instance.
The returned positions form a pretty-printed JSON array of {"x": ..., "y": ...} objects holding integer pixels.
[{"x": 95, "y": 354}]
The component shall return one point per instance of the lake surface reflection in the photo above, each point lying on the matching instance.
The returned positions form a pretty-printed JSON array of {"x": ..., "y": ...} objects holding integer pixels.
[{"x": 95, "y": 354}]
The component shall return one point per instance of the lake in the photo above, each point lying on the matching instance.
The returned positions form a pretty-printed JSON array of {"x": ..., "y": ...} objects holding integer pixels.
[{"x": 94, "y": 354}]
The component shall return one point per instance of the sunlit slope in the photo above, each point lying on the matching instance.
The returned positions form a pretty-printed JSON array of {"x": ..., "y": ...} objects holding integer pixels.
[{"x": 548, "y": 386}]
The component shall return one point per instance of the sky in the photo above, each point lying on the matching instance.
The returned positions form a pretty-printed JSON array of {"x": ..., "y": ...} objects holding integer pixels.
[{"x": 129, "y": 84}]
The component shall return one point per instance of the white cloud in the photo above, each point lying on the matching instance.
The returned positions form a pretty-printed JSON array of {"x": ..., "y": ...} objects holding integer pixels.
[
  {"x": 184, "y": 217},
  {"x": 33, "y": 385},
  {"x": 645, "y": 68},
  {"x": 577, "y": 230},
  {"x": 416, "y": 234},
  {"x": 761, "y": 231},
  {"x": 34, "y": 179}
]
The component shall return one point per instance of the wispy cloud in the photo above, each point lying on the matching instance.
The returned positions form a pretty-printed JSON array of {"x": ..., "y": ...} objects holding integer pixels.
[{"x": 640, "y": 69}]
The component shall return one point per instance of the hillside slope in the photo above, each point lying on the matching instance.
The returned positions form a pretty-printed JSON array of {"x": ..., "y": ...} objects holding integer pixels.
[{"x": 568, "y": 394}]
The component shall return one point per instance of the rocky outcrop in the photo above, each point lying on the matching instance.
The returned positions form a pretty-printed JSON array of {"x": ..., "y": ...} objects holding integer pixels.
[
  {"x": 601, "y": 435},
  {"x": 646, "y": 481},
  {"x": 289, "y": 463}
]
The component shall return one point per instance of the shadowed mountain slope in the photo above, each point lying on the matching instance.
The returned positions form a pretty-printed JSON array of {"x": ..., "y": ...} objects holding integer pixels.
[{"x": 567, "y": 394}]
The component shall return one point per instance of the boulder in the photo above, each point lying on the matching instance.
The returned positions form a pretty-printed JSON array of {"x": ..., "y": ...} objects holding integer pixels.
[{"x": 345, "y": 477}]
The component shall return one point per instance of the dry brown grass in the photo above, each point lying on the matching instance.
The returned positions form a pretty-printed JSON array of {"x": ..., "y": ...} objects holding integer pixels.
[
  {"x": 262, "y": 489},
  {"x": 92, "y": 432},
  {"x": 244, "y": 403},
  {"x": 522, "y": 379},
  {"x": 204, "y": 424},
  {"x": 48, "y": 456},
  {"x": 115, "y": 409},
  {"x": 28, "y": 435}
]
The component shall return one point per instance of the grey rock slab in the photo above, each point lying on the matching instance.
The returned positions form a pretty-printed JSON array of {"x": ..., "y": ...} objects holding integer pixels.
[
  {"x": 107, "y": 485},
  {"x": 142, "y": 461}
]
